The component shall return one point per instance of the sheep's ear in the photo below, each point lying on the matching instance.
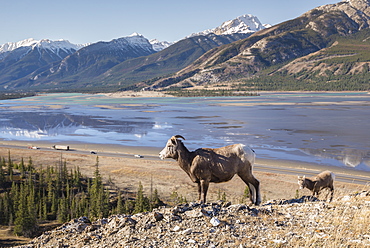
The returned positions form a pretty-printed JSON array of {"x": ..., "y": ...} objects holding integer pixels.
[
  {"x": 304, "y": 177},
  {"x": 173, "y": 140}
]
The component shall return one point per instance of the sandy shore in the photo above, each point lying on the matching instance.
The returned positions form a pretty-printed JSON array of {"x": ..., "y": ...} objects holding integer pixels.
[
  {"x": 118, "y": 164},
  {"x": 126, "y": 94}
]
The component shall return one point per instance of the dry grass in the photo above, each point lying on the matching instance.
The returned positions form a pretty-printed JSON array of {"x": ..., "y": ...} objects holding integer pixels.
[
  {"x": 337, "y": 224},
  {"x": 7, "y": 238}
]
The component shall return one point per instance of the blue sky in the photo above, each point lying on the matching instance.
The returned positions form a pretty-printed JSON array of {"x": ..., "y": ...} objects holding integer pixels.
[{"x": 83, "y": 21}]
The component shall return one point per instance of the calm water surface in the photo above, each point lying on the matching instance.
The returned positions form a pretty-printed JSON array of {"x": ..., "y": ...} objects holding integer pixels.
[{"x": 323, "y": 128}]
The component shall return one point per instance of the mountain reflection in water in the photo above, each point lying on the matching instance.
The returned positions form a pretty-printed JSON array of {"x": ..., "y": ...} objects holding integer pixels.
[{"x": 34, "y": 125}]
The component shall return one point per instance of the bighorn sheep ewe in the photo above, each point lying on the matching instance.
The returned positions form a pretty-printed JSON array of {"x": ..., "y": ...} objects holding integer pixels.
[
  {"x": 206, "y": 165},
  {"x": 316, "y": 184}
]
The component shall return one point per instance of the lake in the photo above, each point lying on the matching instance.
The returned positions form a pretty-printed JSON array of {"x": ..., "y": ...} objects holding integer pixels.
[{"x": 322, "y": 128}]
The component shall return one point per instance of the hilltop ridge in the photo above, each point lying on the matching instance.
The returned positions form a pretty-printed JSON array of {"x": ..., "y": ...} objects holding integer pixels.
[{"x": 301, "y": 222}]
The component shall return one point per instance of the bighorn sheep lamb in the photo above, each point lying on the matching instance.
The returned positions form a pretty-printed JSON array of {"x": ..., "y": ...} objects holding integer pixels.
[
  {"x": 206, "y": 165},
  {"x": 323, "y": 180}
]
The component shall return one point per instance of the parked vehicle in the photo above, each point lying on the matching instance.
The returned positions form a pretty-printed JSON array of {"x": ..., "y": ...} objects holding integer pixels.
[{"x": 60, "y": 147}]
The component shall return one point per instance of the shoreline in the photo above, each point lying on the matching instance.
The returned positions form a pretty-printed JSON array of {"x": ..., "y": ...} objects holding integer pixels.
[
  {"x": 152, "y": 152},
  {"x": 153, "y": 93}
]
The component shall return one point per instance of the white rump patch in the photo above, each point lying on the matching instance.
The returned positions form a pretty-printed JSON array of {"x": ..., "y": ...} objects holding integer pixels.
[
  {"x": 332, "y": 175},
  {"x": 248, "y": 153}
]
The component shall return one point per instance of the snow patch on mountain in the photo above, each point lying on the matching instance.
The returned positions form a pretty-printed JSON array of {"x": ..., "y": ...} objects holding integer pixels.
[
  {"x": 138, "y": 40},
  {"x": 242, "y": 24},
  {"x": 43, "y": 44},
  {"x": 135, "y": 41},
  {"x": 160, "y": 45}
]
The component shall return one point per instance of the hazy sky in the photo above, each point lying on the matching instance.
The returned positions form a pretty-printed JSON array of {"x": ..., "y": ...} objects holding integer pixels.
[{"x": 83, "y": 21}]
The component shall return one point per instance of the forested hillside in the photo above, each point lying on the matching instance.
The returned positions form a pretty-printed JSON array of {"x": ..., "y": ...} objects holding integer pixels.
[{"x": 31, "y": 196}]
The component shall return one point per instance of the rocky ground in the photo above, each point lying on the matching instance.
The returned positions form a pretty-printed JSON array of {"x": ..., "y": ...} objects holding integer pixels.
[{"x": 303, "y": 222}]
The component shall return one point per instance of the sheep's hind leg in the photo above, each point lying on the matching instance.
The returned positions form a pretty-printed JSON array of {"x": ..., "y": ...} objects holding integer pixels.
[
  {"x": 254, "y": 187},
  {"x": 332, "y": 194}
]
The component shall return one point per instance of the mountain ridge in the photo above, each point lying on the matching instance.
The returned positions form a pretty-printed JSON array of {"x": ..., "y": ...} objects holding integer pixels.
[
  {"x": 242, "y": 24},
  {"x": 84, "y": 67},
  {"x": 245, "y": 59}
]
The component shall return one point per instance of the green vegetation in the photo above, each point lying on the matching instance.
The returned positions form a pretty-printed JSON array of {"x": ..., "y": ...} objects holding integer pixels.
[
  {"x": 7, "y": 96},
  {"x": 281, "y": 82},
  {"x": 343, "y": 66},
  {"x": 208, "y": 93},
  {"x": 177, "y": 199},
  {"x": 30, "y": 196}
]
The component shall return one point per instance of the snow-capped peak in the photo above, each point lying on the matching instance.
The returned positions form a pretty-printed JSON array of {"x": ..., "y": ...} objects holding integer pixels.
[
  {"x": 160, "y": 45},
  {"x": 58, "y": 44},
  {"x": 44, "y": 43},
  {"x": 135, "y": 34},
  {"x": 136, "y": 38},
  {"x": 242, "y": 24},
  {"x": 10, "y": 46}
]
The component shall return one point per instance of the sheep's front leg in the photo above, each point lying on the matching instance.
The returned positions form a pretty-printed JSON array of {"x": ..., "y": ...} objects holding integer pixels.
[
  {"x": 204, "y": 188},
  {"x": 316, "y": 191},
  {"x": 199, "y": 192}
]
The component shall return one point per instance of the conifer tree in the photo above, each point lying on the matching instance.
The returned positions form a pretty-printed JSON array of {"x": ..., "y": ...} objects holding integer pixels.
[
  {"x": 25, "y": 221},
  {"x": 142, "y": 203},
  {"x": 63, "y": 210},
  {"x": 3, "y": 216},
  {"x": 97, "y": 194},
  {"x": 156, "y": 201},
  {"x": 129, "y": 206},
  {"x": 120, "y": 207},
  {"x": 10, "y": 167},
  {"x": 30, "y": 164},
  {"x": 22, "y": 168},
  {"x": 2, "y": 174},
  {"x": 10, "y": 162}
]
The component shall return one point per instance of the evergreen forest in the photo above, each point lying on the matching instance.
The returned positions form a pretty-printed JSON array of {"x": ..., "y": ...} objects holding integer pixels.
[{"x": 31, "y": 196}]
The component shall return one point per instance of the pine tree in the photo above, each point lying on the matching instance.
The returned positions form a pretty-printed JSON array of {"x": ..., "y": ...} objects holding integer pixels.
[
  {"x": 76, "y": 178},
  {"x": 97, "y": 194},
  {"x": 25, "y": 221},
  {"x": 30, "y": 165},
  {"x": 156, "y": 201},
  {"x": 10, "y": 167},
  {"x": 22, "y": 168},
  {"x": 63, "y": 210},
  {"x": 3, "y": 216},
  {"x": 142, "y": 203},
  {"x": 129, "y": 206},
  {"x": 2, "y": 174},
  {"x": 10, "y": 162},
  {"x": 120, "y": 207}
]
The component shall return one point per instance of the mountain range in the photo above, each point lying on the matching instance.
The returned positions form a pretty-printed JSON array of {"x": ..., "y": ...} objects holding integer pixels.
[
  {"x": 60, "y": 65},
  {"x": 326, "y": 48}
]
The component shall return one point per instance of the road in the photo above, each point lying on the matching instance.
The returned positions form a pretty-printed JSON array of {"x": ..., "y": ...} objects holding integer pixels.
[{"x": 341, "y": 177}]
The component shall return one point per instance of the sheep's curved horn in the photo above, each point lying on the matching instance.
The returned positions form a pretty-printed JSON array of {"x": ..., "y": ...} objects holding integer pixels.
[{"x": 178, "y": 137}]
